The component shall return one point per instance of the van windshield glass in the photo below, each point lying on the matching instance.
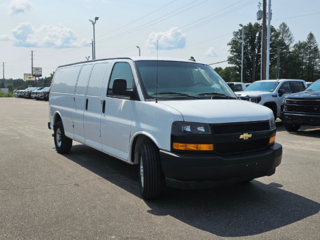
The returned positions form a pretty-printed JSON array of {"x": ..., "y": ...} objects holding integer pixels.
[
  {"x": 182, "y": 80},
  {"x": 262, "y": 86}
]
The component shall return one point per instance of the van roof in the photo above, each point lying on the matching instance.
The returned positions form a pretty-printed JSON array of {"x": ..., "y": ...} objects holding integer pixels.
[{"x": 135, "y": 59}]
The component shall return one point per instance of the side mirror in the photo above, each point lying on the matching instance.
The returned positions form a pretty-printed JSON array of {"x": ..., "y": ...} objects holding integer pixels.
[
  {"x": 281, "y": 92},
  {"x": 120, "y": 88}
]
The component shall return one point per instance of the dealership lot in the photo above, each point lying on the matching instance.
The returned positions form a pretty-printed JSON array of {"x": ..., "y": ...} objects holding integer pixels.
[{"x": 89, "y": 195}]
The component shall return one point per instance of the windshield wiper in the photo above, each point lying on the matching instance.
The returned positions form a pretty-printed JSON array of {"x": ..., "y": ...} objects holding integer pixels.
[
  {"x": 180, "y": 94},
  {"x": 218, "y": 94}
]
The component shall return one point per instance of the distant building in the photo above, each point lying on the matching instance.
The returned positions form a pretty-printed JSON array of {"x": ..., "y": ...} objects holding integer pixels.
[{"x": 4, "y": 90}]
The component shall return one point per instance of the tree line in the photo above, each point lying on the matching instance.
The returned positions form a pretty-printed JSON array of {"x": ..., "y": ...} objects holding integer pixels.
[
  {"x": 20, "y": 84},
  {"x": 300, "y": 60}
]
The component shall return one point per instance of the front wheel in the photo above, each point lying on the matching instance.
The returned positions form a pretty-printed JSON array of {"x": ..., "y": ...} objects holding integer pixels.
[
  {"x": 151, "y": 179},
  {"x": 292, "y": 127},
  {"x": 62, "y": 142}
]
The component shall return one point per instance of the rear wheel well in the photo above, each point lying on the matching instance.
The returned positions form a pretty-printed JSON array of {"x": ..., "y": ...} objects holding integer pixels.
[
  {"x": 138, "y": 140},
  {"x": 273, "y": 107}
]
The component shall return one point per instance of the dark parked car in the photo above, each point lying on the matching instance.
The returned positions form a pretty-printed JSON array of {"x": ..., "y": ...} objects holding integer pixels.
[
  {"x": 34, "y": 92},
  {"x": 43, "y": 94},
  {"x": 302, "y": 108}
]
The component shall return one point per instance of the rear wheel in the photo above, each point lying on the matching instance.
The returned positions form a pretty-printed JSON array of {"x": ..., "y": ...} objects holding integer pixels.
[
  {"x": 150, "y": 179},
  {"x": 292, "y": 127},
  {"x": 62, "y": 142}
]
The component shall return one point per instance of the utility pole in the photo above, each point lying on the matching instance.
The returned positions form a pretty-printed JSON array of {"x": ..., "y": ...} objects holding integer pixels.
[
  {"x": 254, "y": 66},
  {"x": 278, "y": 62},
  {"x": 268, "y": 43},
  {"x": 242, "y": 52},
  {"x": 32, "y": 63},
  {"x": 264, "y": 42},
  {"x": 261, "y": 65},
  {"x": 3, "y": 71}
]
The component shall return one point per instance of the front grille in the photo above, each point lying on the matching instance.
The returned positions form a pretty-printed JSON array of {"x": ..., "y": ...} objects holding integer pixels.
[
  {"x": 241, "y": 147},
  {"x": 240, "y": 128},
  {"x": 305, "y": 109},
  {"x": 303, "y": 102}
]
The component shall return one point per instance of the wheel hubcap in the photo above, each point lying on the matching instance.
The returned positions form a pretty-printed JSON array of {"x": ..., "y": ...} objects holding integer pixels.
[
  {"x": 141, "y": 172},
  {"x": 58, "y": 137}
]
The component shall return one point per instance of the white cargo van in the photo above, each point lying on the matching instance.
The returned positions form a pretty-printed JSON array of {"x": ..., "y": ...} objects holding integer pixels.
[{"x": 177, "y": 119}]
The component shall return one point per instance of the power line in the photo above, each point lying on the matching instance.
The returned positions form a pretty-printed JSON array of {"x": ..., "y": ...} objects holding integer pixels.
[
  {"x": 138, "y": 19},
  {"x": 298, "y": 16},
  {"x": 153, "y": 22},
  {"x": 218, "y": 62}
]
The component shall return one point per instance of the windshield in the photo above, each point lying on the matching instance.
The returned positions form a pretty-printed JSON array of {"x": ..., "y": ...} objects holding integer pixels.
[
  {"x": 181, "y": 80},
  {"x": 262, "y": 86},
  {"x": 315, "y": 87}
]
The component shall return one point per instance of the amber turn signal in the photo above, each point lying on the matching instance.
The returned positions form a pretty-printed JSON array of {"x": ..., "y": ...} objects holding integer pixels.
[
  {"x": 272, "y": 139},
  {"x": 193, "y": 147}
]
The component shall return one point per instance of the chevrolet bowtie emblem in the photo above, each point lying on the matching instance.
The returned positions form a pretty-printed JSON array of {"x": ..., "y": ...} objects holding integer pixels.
[{"x": 245, "y": 136}]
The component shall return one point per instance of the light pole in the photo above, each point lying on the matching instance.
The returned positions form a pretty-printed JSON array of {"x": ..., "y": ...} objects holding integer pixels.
[
  {"x": 94, "y": 37},
  {"x": 268, "y": 41},
  {"x": 242, "y": 52},
  {"x": 139, "y": 50}
]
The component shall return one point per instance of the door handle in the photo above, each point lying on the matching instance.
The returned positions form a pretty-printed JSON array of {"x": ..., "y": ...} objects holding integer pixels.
[
  {"x": 104, "y": 106},
  {"x": 87, "y": 104}
]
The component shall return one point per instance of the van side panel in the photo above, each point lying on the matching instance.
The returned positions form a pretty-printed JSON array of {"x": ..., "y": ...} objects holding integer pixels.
[
  {"x": 61, "y": 96},
  {"x": 80, "y": 102},
  {"x": 92, "y": 116}
]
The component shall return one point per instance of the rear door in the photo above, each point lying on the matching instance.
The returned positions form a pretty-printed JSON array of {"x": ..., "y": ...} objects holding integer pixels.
[
  {"x": 80, "y": 102},
  {"x": 93, "y": 105}
]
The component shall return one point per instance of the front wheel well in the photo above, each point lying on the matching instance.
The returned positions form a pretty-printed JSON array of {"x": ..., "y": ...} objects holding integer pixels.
[
  {"x": 138, "y": 140},
  {"x": 273, "y": 107}
]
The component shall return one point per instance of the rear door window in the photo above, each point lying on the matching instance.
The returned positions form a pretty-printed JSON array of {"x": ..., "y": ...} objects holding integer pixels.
[{"x": 297, "y": 86}]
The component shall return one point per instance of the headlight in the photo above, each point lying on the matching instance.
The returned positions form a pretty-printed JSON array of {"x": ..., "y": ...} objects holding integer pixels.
[
  {"x": 255, "y": 99},
  {"x": 190, "y": 127},
  {"x": 284, "y": 101},
  {"x": 272, "y": 123}
]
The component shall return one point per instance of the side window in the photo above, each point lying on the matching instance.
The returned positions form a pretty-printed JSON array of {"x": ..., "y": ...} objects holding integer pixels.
[
  {"x": 286, "y": 87},
  {"x": 297, "y": 86},
  {"x": 238, "y": 87},
  {"x": 121, "y": 71}
]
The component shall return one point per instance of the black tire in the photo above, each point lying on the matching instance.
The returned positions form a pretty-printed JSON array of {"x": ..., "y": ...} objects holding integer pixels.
[
  {"x": 150, "y": 176},
  {"x": 292, "y": 127},
  {"x": 63, "y": 144}
]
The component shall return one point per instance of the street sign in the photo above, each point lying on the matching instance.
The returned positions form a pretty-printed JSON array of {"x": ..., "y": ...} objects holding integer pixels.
[
  {"x": 29, "y": 77},
  {"x": 37, "y": 72}
]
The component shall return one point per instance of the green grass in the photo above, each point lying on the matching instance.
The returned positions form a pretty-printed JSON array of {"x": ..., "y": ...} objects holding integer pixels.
[{"x": 2, "y": 94}]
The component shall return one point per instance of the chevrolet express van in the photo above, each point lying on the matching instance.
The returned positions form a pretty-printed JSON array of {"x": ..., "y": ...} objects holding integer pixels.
[{"x": 177, "y": 119}]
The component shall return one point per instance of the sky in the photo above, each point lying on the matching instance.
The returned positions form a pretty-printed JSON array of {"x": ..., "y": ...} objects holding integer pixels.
[{"x": 59, "y": 32}]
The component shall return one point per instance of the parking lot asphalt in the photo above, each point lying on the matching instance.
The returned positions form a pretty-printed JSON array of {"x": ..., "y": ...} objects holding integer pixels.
[{"x": 89, "y": 195}]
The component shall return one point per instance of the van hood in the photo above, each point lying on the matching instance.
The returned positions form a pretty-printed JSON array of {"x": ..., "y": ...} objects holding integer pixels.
[
  {"x": 219, "y": 111},
  {"x": 252, "y": 93}
]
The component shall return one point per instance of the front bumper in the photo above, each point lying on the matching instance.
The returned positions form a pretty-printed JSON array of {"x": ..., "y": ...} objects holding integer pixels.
[
  {"x": 301, "y": 119},
  {"x": 194, "y": 170}
]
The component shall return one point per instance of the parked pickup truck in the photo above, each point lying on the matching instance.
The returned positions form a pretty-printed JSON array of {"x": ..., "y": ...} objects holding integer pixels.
[
  {"x": 270, "y": 93},
  {"x": 302, "y": 108}
]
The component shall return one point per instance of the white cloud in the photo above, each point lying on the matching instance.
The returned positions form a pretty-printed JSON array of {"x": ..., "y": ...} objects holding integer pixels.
[
  {"x": 172, "y": 39},
  {"x": 211, "y": 52},
  {"x": 25, "y": 35},
  {"x": 19, "y": 6}
]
